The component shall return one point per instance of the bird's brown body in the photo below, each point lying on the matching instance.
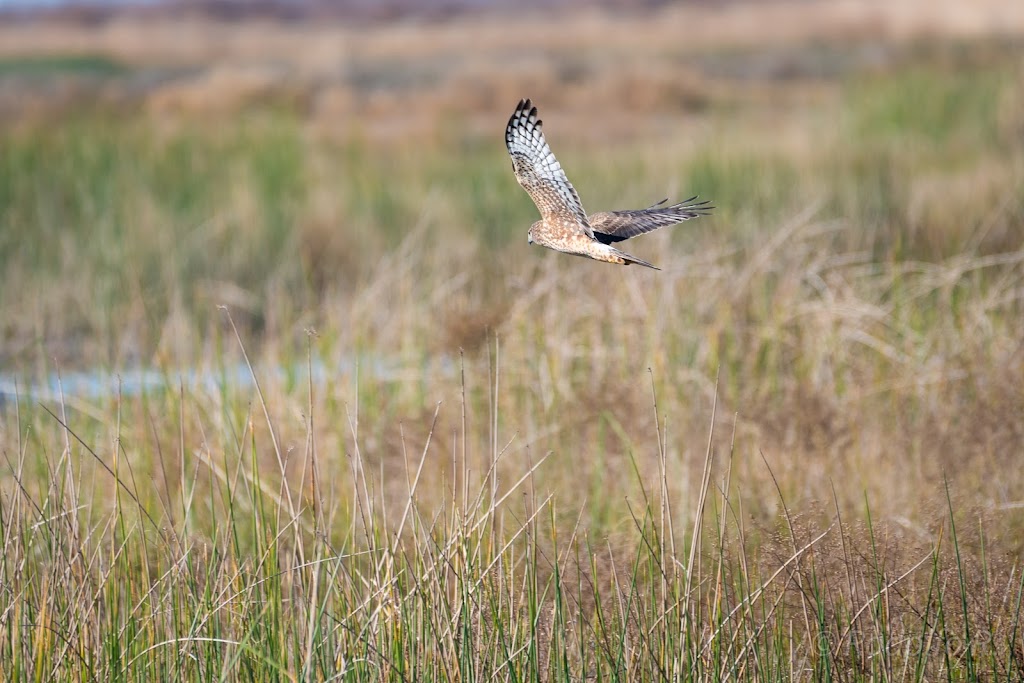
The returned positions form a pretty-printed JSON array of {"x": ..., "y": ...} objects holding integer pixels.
[
  {"x": 563, "y": 237},
  {"x": 564, "y": 226}
]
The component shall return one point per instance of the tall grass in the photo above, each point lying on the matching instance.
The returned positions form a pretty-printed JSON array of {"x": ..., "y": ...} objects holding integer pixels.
[{"x": 214, "y": 565}]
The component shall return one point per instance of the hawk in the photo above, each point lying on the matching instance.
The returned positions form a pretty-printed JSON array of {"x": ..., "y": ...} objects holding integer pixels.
[{"x": 564, "y": 225}]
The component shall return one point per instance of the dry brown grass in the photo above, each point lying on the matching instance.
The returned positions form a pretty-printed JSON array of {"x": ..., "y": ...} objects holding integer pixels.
[{"x": 403, "y": 78}]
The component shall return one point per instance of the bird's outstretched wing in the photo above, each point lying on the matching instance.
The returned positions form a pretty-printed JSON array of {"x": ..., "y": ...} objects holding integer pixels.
[
  {"x": 539, "y": 172},
  {"x": 615, "y": 226}
]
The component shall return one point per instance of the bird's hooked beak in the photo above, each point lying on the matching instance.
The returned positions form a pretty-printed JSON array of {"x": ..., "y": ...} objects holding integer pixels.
[{"x": 529, "y": 238}]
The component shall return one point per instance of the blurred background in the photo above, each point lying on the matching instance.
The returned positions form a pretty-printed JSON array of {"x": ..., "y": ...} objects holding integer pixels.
[
  {"x": 160, "y": 158},
  {"x": 340, "y": 167}
]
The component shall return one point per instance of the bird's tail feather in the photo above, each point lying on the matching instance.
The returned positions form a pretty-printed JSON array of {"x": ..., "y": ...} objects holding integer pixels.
[{"x": 633, "y": 259}]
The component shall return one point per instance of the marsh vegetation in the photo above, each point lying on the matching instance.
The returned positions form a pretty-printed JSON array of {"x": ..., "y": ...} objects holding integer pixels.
[{"x": 795, "y": 453}]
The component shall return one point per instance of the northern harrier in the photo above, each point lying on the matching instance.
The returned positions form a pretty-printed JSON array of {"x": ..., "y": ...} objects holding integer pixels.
[{"x": 564, "y": 226}]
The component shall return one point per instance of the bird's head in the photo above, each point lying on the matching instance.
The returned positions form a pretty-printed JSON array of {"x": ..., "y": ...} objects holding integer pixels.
[{"x": 529, "y": 235}]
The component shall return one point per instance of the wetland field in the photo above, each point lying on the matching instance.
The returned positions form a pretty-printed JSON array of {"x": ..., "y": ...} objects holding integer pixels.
[{"x": 286, "y": 395}]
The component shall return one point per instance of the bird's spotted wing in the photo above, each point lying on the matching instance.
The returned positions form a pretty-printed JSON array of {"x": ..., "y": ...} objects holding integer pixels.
[
  {"x": 615, "y": 226},
  {"x": 539, "y": 172}
]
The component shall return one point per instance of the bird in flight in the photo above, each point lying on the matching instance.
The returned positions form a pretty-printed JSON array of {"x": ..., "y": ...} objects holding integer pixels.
[{"x": 564, "y": 225}]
